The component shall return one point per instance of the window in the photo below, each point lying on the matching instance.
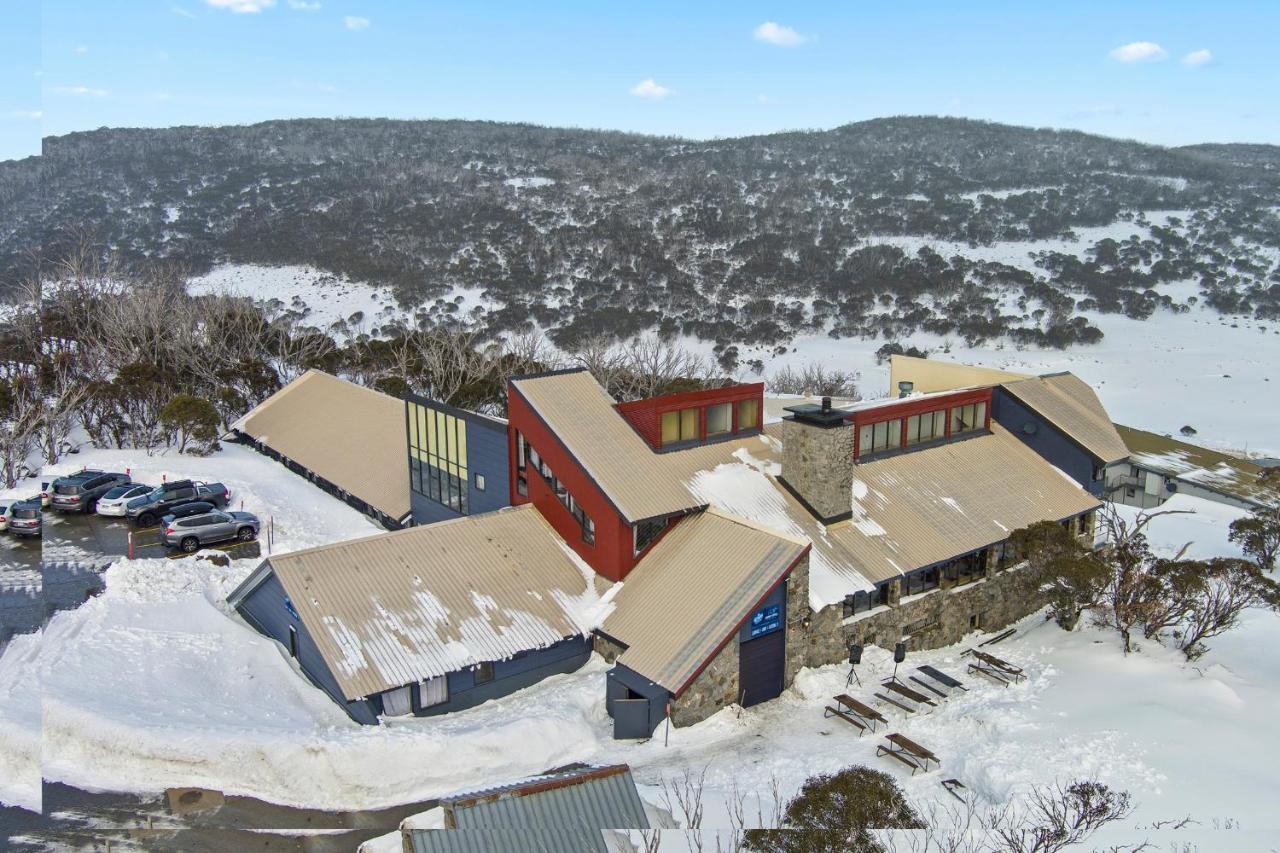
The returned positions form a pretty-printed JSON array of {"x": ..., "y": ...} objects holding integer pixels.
[
  {"x": 875, "y": 438},
  {"x": 522, "y": 478},
  {"x": 926, "y": 427},
  {"x": 438, "y": 456},
  {"x": 484, "y": 672},
  {"x": 681, "y": 425},
  {"x": 968, "y": 418},
  {"x": 398, "y": 702},
  {"x": 293, "y": 642},
  {"x": 922, "y": 581},
  {"x": 526, "y": 451},
  {"x": 748, "y": 414},
  {"x": 433, "y": 691},
  {"x": 647, "y": 531},
  {"x": 975, "y": 620},
  {"x": 479, "y": 482},
  {"x": 720, "y": 419}
]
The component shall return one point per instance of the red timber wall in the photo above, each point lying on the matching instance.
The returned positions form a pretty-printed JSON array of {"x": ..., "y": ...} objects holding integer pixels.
[
  {"x": 645, "y": 416},
  {"x": 611, "y": 554},
  {"x": 908, "y": 407}
]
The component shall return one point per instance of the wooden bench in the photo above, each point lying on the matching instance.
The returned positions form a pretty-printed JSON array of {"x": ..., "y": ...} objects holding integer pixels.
[
  {"x": 942, "y": 678},
  {"x": 907, "y": 693},
  {"x": 895, "y": 703},
  {"x": 994, "y": 662},
  {"x": 828, "y": 711},
  {"x": 928, "y": 687},
  {"x": 908, "y": 752},
  {"x": 954, "y": 787},
  {"x": 999, "y": 638},
  {"x": 864, "y": 713},
  {"x": 990, "y": 672}
]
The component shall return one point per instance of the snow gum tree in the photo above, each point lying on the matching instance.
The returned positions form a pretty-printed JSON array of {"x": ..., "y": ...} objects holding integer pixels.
[
  {"x": 1258, "y": 535},
  {"x": 1074, "y": 577}
]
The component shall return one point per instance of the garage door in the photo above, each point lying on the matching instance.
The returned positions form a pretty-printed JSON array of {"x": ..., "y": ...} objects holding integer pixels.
[{"x": 761, "y": 664}]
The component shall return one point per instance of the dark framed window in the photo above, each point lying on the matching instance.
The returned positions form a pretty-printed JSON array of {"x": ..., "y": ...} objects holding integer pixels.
[
  {"x": 560, "y": 490},
  {"x": 926, "y": 427},
  {"x": 924, "y": 581},
  {"x": 647, "y": 531},
  {"x": 438, "y": 456},
  {"x": 748, "y": 414},
  {"x": 681, "y": 425},
  {"x": 876, "y": 438},
  {"x": 484, "y": 672},
  {"x": 720, "y": 419},
  {"x": 968, "y": 418},
  {"x": 293, "y": 642}
]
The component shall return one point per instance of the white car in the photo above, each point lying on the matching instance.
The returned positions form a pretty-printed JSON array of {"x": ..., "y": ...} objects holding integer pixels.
[
  {"x": 4, "y": 515},
  {"x": 114, "y": 501}
]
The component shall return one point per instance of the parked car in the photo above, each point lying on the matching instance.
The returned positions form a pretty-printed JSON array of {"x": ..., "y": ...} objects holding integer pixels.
[
  {"x": 151, "y": 507},
  {"x": 4, "y": 515},
  {"x": 187, "y": 510},
  {"x": 25, "y": 518},
  {"x": 188, "y": 534},
  {"x": 44, "y": 495},
  {"x": 80, "y": 491},
  {"x": 115, "y": 501}
]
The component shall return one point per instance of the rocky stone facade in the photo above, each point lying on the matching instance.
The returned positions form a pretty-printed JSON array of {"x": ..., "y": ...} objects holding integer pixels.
[{"x": 817, "y": 464}]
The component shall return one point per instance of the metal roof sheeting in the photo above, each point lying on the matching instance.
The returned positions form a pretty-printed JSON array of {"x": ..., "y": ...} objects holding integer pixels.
[
  {"x": 556, "y": 813},
  {"x": 1071, "y": 405},
  {"x": 1217, "y": 472},
  {"x": 692, "y": 590},
  {"x": 401, "y": 607},
  {"x": 350, "y": 435},
  {"x": 924, "y": 507}
]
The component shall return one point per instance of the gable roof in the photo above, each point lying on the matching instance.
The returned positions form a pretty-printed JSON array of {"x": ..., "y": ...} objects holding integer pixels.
[
  {"x": 405, "y": 606},
  {"x": 561, "y": 812},
  {"x": 640, "y": 482},
  {"x": 350, "y": 435},
  {"x": 1210, "y": 469},
  {"x": 1071, "y": 405},
  {"x": 917, "y": 509},
  {"x": 692, "y": 591}
]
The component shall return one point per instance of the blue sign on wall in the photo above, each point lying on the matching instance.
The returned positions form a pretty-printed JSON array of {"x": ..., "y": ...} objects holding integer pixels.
[
  {"x": 288, "y": 605},
  {"x": 766, "y": 620}
]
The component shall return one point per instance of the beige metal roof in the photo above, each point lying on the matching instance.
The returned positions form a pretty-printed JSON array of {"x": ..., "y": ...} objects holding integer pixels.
[
  {"x": 692, "y": 591},
  {"x": 917, "y": 509},
  {"x": 1071, "y": 405},
  {"x": 400, "y": 607},
  {"x": 350, "y": 435},
  {"x": 641, "y": 482},
  {"x": 1219, "y": 472}
]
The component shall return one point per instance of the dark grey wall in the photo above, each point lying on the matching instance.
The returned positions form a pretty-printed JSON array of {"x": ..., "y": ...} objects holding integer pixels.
[
  {"x": 620, "y": 680},
  {"x": 778, "y": 597},
  {"x": 264, "y": 609},
  {"x": 487, "y": 455},
  {"x": 1047, "y": 440}
]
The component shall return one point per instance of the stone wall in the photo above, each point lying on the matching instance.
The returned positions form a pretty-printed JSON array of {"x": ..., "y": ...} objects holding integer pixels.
[
  {"x": 938, "y": 618},
  {"x": 606, "y": 648},
  {"x": 817, "y": 463}
]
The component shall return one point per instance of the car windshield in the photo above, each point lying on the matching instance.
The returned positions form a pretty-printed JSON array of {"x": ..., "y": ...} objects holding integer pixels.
[
  {"x": 66, "y": 489},
  {"x": 157, "y": 492},
  {"x": 118, "y": 492},
  {"x": 26, "y": 513}
]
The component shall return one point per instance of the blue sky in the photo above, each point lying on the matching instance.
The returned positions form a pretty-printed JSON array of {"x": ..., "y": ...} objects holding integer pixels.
[{"x": 1168, "y": 72}]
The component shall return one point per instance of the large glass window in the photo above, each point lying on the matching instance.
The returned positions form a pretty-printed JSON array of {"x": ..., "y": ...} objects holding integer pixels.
[
  {"x": 926, "y": 427},
  {"x": 748, "y": 414},
  {"x": 526, "y": 452},
  {"x": 680, "y": 425},
  {"x": 876, "y": 438},
  {"x": 720, "y": 419},
  {"x": 647, "y": 531},
  {"x": 968, "y": 418},
  {"x": 438, "y": 456}
]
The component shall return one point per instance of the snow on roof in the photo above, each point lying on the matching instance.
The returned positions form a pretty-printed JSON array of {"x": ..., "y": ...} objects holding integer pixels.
[
  {"x": 350, "y": 435},
  {"x": 692, "y": 590},
  {"x": 400, "y": 607},
  {"x": 1072, "y": 406},
  {"x": 1218, "y": 472}
]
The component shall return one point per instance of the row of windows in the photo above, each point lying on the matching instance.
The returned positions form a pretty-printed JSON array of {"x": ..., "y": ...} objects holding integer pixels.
[
  {"x": 438, "y": 457},
  {"x": 527, "y": 457},
  {"x": 683, "y": 424},
  {"x": 444, "y": 486},
  {"x": 889, "y": 435}
]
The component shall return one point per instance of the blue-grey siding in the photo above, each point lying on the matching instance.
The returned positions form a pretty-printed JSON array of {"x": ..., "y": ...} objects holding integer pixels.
[
  {"x": 777, "y": 597},
  {"x": 621, "y": 682},
  {"x": 487, "y": 455},
  {"x": 264, "y": 608},
  {"x": 1047, "y": 440}
]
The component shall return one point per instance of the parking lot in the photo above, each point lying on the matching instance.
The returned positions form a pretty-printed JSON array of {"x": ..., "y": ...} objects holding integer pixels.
[
  {"x": 19, "y": 552},
  {"x": 74, "y": 536}
]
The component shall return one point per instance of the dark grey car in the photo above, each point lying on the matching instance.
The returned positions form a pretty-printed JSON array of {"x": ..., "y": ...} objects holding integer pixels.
[
  {"x": 79, "y": 492},
  {"x": 188, "y": 534}
]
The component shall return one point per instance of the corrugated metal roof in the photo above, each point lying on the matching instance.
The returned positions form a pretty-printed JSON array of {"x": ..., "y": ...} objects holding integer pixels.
[
  {"x": 350, "y": 435},
  {"x": 1072, "y": 406},
  {"x": 692, "y": 591},
  {"x": 916, "y": 509},
  {"x": 641, "y": 482},
  {"x": 400, "y": 607},
  {"x": 557, "y": 813},
  {"x": 1219, "y": 472}
]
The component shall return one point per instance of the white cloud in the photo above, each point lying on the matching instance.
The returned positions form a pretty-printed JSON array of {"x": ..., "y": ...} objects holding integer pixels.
[
  {"x": 80, "y": 48},
  {"x": 1196, "y": 58},
  {"x": 355, "y": 22},
  {"x": 647, "y": 88},
  {"x": 772, "y": 32},
  {"x": 81, "y": 91},
  {"x": 766, "y": 99},
  {"x": 1139, "y": 51},
  {"x": 303, "y": 6},
  {"x": 242, "y": 6},
  {"x": 31, "y": 114}
]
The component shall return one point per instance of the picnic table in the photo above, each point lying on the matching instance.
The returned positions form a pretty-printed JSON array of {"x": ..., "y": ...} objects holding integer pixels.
[
  {"x": 942, "y": 678},
  {"x": 995, "y": 668},
  {"x": 852, "y": 711},
  {"x": 903, "y": 690},
  {"x": 907, "y": 751}
]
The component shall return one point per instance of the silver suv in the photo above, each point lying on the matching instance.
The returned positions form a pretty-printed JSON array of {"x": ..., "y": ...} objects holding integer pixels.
[{"x": 188, "y": 534}]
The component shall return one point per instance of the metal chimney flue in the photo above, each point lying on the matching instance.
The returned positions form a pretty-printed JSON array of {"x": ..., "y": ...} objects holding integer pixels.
[{"x": 905, "y": 387}]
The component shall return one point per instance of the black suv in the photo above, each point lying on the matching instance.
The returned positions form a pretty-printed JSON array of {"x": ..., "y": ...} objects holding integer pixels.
[
  {"x": 148, "y": 509},
  {"x": 80, "y": 492}
]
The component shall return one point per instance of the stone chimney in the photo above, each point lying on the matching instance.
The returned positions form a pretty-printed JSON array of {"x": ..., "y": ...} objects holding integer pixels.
[{"x": 817, "y": 459}]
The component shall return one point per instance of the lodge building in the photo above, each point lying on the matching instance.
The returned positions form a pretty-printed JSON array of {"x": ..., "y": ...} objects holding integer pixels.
[{"x": 705, "y": 554}]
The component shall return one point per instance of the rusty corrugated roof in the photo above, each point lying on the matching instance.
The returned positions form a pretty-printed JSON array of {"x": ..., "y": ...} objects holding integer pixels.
[
  {"x": 692, "y": 590},
  {"x": 1072, "y": 406},
  {"x": 350, "y": 435},
  {"x": 409, "y": 605}
]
